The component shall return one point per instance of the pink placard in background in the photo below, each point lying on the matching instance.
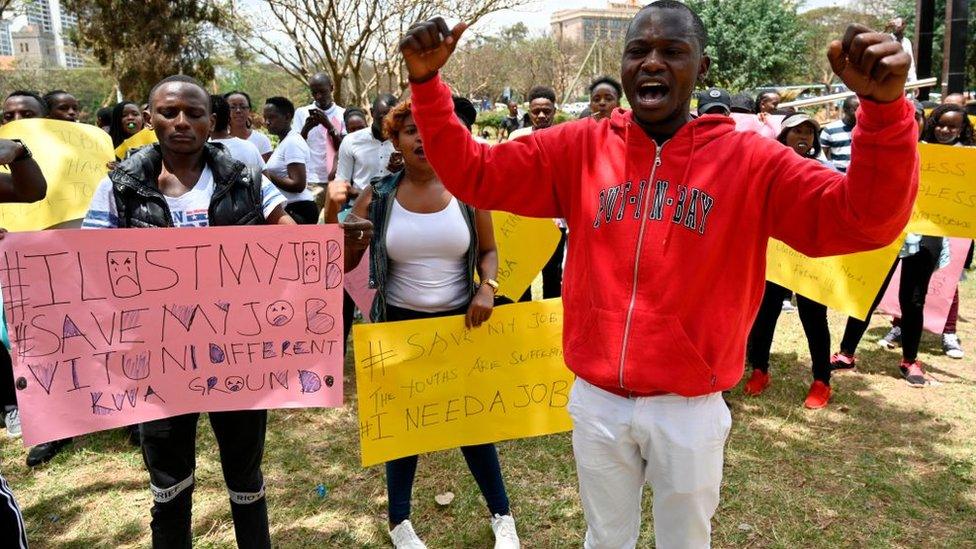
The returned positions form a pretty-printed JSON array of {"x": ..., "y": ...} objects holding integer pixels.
[
  {"x": 120, "y": 326},
  {"x": 357, "y": 286},
  {"x": 751, "y": 123},
  {"x": 942, "y": 288}
]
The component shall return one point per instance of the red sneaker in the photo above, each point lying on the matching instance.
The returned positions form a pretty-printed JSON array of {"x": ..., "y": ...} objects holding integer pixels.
[
  {"x": 818, "y": 397},
  {"x": 913, "y": 373},
  {"x": 757, "y": 383},
  {"x": 842, "y": 362}
]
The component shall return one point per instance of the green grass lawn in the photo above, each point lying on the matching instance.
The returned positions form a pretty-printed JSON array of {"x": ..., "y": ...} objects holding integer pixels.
[{"x": 885, "y": 465}]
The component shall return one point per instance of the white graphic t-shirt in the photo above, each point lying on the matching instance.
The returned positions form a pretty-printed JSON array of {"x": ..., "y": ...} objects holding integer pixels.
[{"x": 189, "y": 210}]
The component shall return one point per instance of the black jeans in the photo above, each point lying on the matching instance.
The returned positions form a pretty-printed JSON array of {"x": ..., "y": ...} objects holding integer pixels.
[
  {"x": 8, "y": 394},
  {"x": 482, "y": 459},
  {"x": 552, "y": 273},
  {"x": 304, "y": 212},
  {"x": 813, "y": 316},
  {"x": 169, "y": 450},
  {"x": 855, "y": 328}
]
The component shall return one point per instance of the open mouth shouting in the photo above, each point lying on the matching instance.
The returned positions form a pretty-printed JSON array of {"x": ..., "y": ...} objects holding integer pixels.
[{"x": 652, "y": 93}]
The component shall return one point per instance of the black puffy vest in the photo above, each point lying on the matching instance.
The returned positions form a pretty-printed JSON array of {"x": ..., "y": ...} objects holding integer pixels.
[{"x": 236, "y": 199}]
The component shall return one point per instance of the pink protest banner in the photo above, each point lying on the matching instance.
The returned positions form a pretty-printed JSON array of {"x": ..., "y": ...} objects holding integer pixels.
[
  {"x": 115, "y": 327},
  {"x": 942, "y": 288},
  {"x": 357, "y": 286},
  {"x": 751, "y": 123}
]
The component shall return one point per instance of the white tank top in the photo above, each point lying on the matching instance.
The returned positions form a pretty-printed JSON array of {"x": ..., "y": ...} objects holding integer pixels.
[{"x": 427, "y": 254}]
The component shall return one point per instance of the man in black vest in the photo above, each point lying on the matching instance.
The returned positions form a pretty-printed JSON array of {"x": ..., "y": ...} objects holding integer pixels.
[{"x": 184, "y": 181}]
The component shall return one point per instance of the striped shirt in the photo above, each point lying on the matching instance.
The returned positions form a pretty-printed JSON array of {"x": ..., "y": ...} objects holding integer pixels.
[
  {"x": 836, "y": 136},
  {"x": 189, "y": 210}
]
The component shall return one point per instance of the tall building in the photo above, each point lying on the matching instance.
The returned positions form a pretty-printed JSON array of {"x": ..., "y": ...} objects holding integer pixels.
[
  {"x": 46, "y": 37},
  {"x": 588, "y": 25},
  {"x": 6, "y": 41}
]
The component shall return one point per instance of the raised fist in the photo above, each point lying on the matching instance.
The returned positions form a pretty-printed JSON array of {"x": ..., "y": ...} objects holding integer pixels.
[
  {"x": 871, "y": 64},
  {"x": 427, "y": 46}
]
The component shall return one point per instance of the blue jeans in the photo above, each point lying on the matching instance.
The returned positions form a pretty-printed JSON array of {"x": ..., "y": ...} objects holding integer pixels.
[{"x": 482, "y": 459}]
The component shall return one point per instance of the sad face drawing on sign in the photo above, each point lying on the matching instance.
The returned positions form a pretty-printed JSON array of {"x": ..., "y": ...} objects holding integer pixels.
[{"x": 123, "y": 273}]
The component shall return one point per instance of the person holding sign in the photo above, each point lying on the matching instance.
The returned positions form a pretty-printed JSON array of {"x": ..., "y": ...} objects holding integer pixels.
[
  {"x": 426, "y": 248},
  {"x": 127, "y": 120},
  {"x": 799, "y": 134},
  {"x": 24, "y": 183},
  {"x": 670, "y": 218},
  {"x": 183, "y": 181}
]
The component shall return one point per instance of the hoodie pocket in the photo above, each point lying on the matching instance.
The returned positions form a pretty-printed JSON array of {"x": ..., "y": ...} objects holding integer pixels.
[{"x": 661, "y": 357}]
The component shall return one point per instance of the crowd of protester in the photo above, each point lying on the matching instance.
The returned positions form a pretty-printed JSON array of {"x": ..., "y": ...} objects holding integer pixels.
[{"x": 371, "y": 171}]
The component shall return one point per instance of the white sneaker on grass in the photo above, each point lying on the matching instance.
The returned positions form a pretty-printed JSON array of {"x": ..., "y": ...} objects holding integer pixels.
[
  {"x": 404, "y": 537},
  {"x": 951, "y": 346},
  {"x": 892, "y": 339},
  {"x": 505, "y": 535},
  {"x": 11, "y": 418}
]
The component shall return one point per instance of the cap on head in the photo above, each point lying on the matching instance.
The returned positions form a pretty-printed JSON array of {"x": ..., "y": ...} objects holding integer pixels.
[{"x": 713, "y": 98}]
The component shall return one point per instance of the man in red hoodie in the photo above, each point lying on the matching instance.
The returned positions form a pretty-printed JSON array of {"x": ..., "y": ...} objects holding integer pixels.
[{"x": 670, "y": 217}]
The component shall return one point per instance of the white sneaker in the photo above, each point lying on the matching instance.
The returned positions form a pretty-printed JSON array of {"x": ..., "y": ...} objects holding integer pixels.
[
  {"x": 892, "y": 339},
  {"x": 404, "y": 537},
  {"x": 788, "y": 306},
  {"x": 505, "y": 535},
  {"x": 12, "y": 419},
  {"x": 951, "y": 346}
]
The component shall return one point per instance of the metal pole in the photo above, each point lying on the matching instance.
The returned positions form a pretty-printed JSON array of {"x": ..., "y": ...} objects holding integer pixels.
[
  {"x": 954, "y": 64},
  {"x": 822, "y": 100},
  {"x": 924, "y": 22}
]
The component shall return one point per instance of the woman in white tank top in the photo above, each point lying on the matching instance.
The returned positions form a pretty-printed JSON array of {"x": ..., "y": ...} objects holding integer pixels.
[{"x": 425, "y": 249}]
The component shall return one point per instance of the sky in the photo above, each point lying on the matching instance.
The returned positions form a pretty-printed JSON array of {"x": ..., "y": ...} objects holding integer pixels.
[{"x": 536, "y": 14}]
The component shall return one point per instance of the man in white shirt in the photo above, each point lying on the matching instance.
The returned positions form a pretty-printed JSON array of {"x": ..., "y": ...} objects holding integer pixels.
[
  {"x": 364, "y": 155},
  {"x": 897, "y": 29},
  {"x": 321, "y": 125}
]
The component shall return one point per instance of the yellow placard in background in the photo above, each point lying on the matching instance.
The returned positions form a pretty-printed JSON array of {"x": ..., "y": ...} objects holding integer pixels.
[
  {"x": 847, "y": 283},
  {"x": 428, "y": 385},
  {"x": 72, "y": 157},
  {"x": 142, "y": 138},
  {"x": 525, "y": 245},
  {"x": 946, "y": 203}
]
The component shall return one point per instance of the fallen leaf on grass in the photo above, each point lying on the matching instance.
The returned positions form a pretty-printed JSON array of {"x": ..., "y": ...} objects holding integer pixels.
[{"x": 444, "y": 499}]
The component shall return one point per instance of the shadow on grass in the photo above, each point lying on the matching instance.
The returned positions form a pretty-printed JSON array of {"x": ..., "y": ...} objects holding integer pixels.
[
  {"x": 873, "y": 469},
  {"x": 69, "y": 508}
]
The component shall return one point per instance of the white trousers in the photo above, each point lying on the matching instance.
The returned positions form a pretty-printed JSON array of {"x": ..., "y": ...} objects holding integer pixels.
[{"x": 675, "y": 444}]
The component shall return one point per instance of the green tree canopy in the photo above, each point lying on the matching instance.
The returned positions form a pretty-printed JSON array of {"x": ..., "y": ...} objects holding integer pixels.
[
  {"x": 752, "y": 42},
  {"x": 145, "y": 41}
]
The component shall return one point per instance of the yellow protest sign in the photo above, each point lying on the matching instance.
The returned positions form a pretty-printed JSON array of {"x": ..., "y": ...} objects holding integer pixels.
[
  {"x": 72, "y": 157},
  {"x": 946, "y": 203},
  {"x": 428, "y": 385},
  {"x": 525, "y": 245},
  {"x": 143, "y": 137},
  {"x": 847, "y": 283}
]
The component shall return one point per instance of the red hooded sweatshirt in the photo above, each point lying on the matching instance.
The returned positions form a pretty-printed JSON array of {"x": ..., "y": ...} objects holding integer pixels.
[{"x": 667, "y": 249}]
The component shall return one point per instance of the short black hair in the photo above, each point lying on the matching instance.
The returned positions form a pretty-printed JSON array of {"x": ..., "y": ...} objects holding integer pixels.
[
  {"x": 33, "y": 95},
  {"x": 284, "y": 106},
  {"x": 353, "y": 111},
  {"x": 181, "y": 78},
  {"x": 238, "y": 92},
  {"x": 849, "y": 102},
  {"x": 764, "y": 95},
  {"x": 386, "y": 99},
  {"x": 104, "y": 115},
  {"x": 221, "y": 109},
  {"x": 701, "y": 35},
  {"x": 465, "y": 111},
  {"x": 744, "y": 103},
  {"x": 966, "y": 136},
  {"x": 542, "y": 92},
  {"x": 49, "y": 98},
  {"x": 600, "y": 80}
]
